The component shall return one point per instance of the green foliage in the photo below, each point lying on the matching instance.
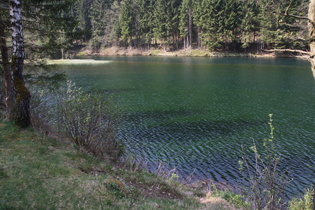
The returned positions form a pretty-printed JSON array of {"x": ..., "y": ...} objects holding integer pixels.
[
  {"x": 281, "y": 31},
  {"x": 81, "y": 12},
  {"x": 221, "y": 25},
  {"x": 233, "y": 198},
  {"x": 97, "y": 18},
  {"x": 173, "y": 177},
  {"x": 305, "y": 203},
  {"x": 185, "y": 22},
  {"x": 48, "y": 27},
  {"x": 126, "y": 21},
  {"x": 224, "y": 25}
]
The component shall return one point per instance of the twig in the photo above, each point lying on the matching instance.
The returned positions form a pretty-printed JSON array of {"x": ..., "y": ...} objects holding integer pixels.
[
  {"x": 286, "y": 13},
  {"x": 314, "y": 198}
]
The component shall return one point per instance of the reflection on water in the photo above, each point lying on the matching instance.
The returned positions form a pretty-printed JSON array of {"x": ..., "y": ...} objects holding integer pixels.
[{"x": 195, "y": 113}]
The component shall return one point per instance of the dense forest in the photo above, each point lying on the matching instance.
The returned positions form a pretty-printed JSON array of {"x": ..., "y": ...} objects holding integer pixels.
[
  {"x": 56, "y": 29},
  {"x": 220, "y": 25}
]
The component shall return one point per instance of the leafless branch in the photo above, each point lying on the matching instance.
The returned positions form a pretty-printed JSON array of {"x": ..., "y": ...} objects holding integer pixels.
[
  {"x": 2, "y": 63},
  {"x": 286, "y": 13}
]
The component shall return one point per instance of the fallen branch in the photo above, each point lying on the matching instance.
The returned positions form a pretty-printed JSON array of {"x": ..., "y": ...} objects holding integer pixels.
[{"x": 288, "y": 50}]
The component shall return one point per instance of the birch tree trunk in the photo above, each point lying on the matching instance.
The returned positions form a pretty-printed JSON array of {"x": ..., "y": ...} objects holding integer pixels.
[
  {"x": 22, "y": 95},
  {"x": 311, "y": 29},
  {"x": 8, "y": 84}
]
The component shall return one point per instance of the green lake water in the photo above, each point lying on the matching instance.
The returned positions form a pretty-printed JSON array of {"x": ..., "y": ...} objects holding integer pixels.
[{"x": 195, "y": 113}]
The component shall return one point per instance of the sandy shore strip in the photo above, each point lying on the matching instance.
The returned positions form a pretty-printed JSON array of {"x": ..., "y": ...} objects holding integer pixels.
[{"x": 77, "y": 61}]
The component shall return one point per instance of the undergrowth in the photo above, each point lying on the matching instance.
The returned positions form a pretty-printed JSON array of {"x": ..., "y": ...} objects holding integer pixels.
[{"x": 88, "y": 120}]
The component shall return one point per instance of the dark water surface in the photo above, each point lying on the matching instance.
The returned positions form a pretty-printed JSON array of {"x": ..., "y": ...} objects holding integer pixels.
[{"x": 195, "y": 113}]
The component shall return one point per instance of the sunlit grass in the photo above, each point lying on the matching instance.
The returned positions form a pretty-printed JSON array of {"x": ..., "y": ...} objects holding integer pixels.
[{"x": 39, "y": 172}]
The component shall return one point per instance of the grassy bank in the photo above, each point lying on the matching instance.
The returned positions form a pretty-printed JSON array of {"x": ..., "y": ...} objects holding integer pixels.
[{"x": 38, "y": 172}]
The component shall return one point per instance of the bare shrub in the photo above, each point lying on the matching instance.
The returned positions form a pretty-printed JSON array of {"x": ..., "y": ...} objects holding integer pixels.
[
  {"x": 266, "y": 185},
  {"x": 86, "y": 119}
]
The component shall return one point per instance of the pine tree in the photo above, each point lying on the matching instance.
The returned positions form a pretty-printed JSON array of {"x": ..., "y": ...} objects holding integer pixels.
[
  {"x": 97, "y": 18},
  {"x": 232, "y": 21},
  {"x": 198, "y": 12},
  {"x": 159, "y": 20},
  {"x": 186, "y": 23},
  {"x": 112, "y": 29},
  {"x": 273, "y": 30},
  {"x": 250, "y": 22},
  {"x": 211, "y": 23},
  {"x": 143, "y": 21},
  {"x": 126, "y": 22},
  {"x": 82, "y": 14}
]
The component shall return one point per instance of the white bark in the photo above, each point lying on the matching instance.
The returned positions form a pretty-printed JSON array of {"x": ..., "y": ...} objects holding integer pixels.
[
  {"x": 22, "y": 95},
  {"x": 311, "y": 29},
  {"x": 17, "y": 31}
]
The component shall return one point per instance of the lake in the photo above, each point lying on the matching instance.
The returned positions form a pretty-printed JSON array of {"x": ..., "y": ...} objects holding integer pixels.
[{"x": 196, "y": 113}]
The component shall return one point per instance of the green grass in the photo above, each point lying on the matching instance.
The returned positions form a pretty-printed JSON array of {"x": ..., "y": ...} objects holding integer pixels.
[{"x": 38, "y": 172}]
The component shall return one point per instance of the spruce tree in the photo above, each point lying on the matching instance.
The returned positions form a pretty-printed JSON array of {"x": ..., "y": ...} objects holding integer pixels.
[
  {"x": 250, "y": 22},
  {"x": 83, "y": 17},
  {"x": 198, "y": 12},
  {"x": 186, "y": 22},
  {"x": 126, "y": 22},
  {"x": 98, "y": 23}
]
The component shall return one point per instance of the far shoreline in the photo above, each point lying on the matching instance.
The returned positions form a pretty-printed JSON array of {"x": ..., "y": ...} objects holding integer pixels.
[{"x": 188, "y": 52}]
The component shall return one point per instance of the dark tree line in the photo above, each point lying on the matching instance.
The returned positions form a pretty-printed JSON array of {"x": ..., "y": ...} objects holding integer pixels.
[{"x": 227, "y": 25}]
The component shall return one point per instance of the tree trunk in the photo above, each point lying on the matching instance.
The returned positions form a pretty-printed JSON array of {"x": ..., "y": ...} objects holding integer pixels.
[
  {"x": 62, "y": 54},
  {"x": 22, "y": 95},
  {"x": 8, "y": 84},
  {"x": 311, "y": 29},
  {"x": 190, "y": 24}
]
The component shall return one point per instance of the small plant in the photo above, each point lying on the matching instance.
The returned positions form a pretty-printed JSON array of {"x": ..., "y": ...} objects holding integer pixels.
[
  {"x": 3, "y": 174},
  {"x": 122, "y": 191},
  {"x": 233, "y": 198},
  {"x": 174, "y": 177},
  {"x": 163, "y": 171},
  {"x": 117, "y": 187},
  {"x": 305, "y": 203},
  {"x": 265, "y": 183},
  {"x": 134, "y": 196}
]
